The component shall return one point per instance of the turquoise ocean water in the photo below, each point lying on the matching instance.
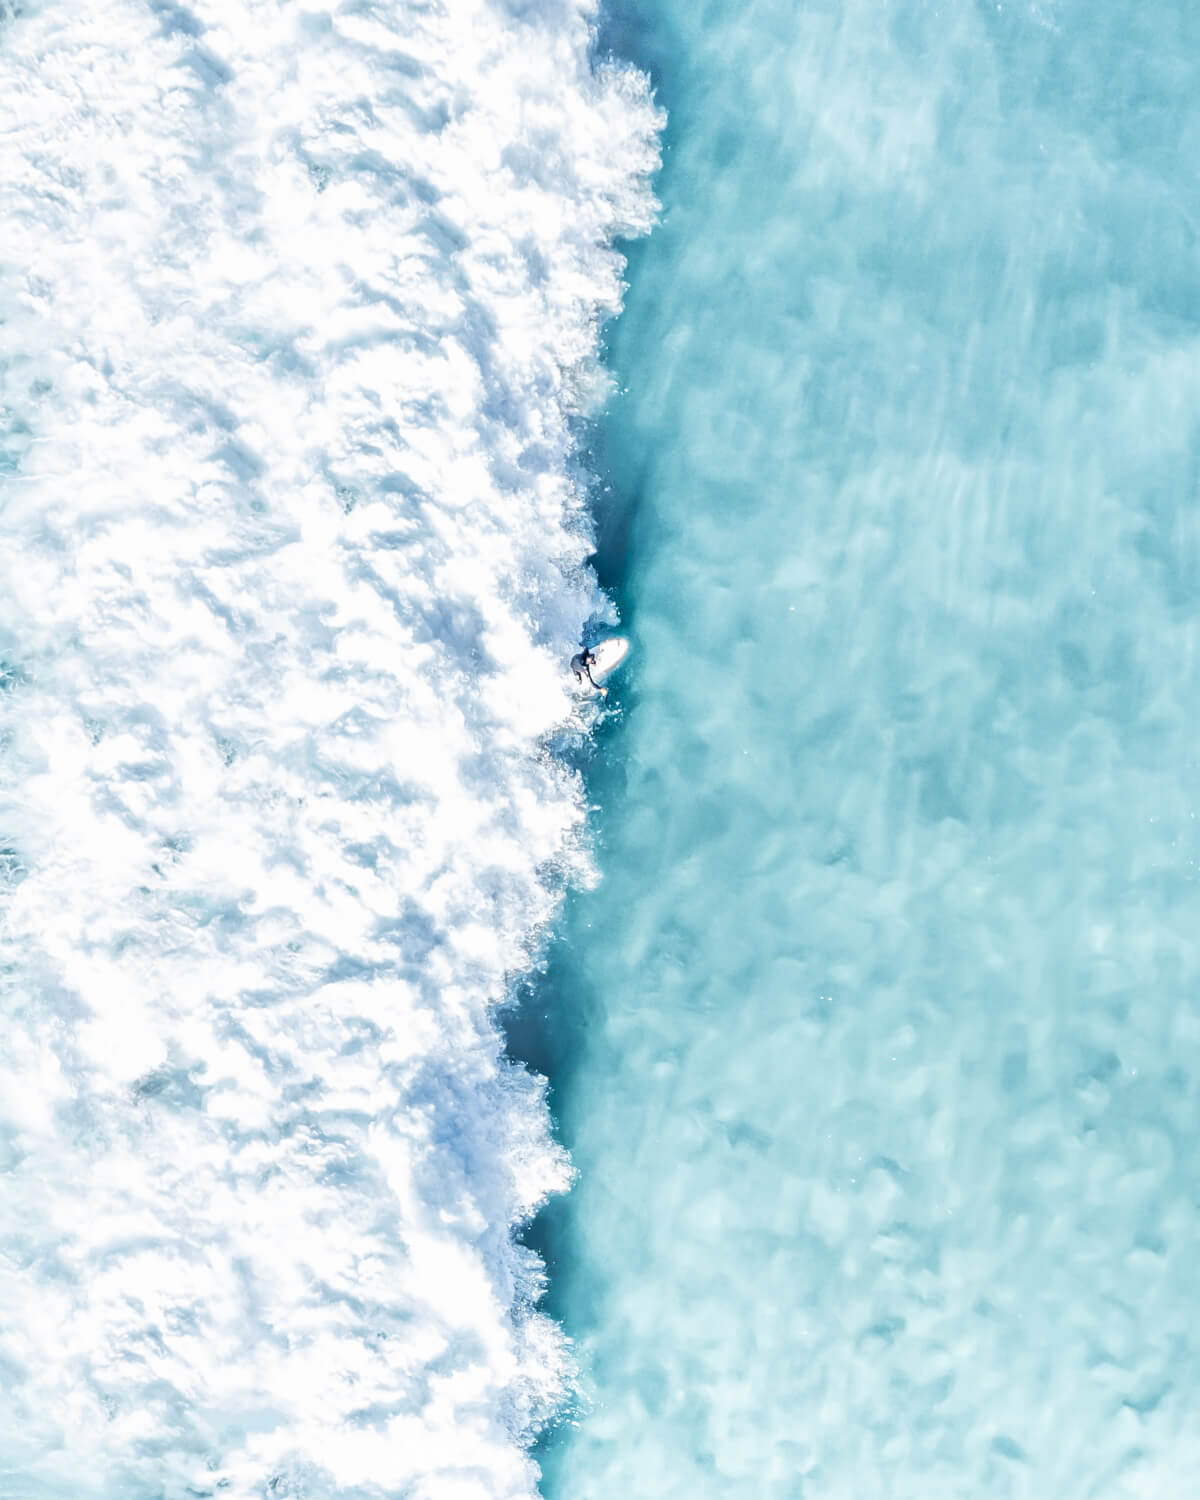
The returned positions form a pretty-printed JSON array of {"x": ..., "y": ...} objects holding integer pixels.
[{"x": 878, "y": 1047}]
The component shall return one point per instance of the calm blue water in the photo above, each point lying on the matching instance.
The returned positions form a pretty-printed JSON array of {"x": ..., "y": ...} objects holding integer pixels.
[{"x": 883, "y": 1029}]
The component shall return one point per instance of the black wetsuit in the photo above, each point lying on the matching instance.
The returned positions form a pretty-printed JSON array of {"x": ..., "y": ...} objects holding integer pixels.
[{"x": 580, "y": 665}]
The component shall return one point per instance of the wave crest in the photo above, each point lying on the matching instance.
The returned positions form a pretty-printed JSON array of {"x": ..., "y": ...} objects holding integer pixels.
[{"x": 296, "y": 310}]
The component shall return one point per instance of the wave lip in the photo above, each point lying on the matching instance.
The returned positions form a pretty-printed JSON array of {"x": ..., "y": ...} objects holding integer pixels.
[{"x": 295, "y": 312}]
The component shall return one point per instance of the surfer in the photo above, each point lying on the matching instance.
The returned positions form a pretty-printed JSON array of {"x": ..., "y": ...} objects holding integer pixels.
[{"x": 581, "y": 665}]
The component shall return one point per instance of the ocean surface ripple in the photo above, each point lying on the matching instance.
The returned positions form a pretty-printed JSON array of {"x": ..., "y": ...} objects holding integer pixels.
[
  {"x": 296, "y": 309},
  {"x": 882, "y": 1079}
]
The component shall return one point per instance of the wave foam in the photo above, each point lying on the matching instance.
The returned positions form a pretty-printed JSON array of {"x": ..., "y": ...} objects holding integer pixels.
[{"x": 296, "y": 306}]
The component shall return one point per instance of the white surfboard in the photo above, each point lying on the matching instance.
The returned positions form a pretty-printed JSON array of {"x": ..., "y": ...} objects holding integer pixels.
[{"x": 608, "y": 655}]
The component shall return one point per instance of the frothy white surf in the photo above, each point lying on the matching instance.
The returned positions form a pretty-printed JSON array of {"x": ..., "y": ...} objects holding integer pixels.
[{"x": 296, "y": 307}]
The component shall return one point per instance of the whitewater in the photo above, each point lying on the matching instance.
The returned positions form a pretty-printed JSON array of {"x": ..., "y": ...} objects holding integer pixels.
[{"x": 299, "y": 311}]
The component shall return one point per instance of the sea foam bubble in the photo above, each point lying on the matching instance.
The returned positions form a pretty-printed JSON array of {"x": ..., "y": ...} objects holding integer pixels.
[{"x": 296, "y": 309}]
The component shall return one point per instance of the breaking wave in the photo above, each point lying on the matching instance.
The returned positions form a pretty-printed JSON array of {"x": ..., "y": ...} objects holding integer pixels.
[{"x": 296, "y": 310}]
